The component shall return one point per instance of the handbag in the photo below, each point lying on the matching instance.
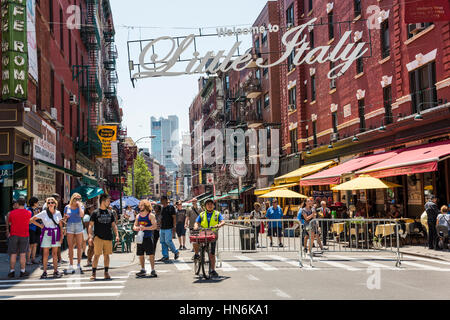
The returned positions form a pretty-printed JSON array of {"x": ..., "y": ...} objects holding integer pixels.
[
  {"x": 140, "y": 237},
  {"x": 85, "y": 235}
]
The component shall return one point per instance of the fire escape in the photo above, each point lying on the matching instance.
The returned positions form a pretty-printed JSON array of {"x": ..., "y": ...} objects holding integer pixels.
[{"x": 88, "y": 79}]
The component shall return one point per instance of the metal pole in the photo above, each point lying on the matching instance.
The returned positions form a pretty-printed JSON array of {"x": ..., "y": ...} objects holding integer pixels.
[
  {"x": 132, "y": 179},
  {"x": 120, "y": 180}
]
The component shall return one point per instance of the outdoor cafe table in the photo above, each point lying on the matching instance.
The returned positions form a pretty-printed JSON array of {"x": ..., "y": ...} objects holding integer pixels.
[{"x": 337, "y": 227}]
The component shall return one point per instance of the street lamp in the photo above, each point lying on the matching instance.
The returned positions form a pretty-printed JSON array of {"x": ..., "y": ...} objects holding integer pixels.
[{"x": 133, "y": 191}]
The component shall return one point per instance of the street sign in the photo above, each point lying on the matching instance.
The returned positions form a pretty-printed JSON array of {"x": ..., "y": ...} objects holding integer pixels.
[
  {"x": 107, "y": 134},
  {"x": 210, "y": 178}
]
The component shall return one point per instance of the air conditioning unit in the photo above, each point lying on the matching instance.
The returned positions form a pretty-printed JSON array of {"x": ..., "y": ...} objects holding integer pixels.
[
  {"x": 54, "y": 113},
  {"x": 73, "y": 99},
  {"x": 415, "y": 27},
  {"x": 34, "y": 108},
  {"x": 334, "y": 137}
]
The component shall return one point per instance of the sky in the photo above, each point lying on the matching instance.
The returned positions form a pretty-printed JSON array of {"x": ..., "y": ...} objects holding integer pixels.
[{"x": 150, "y": 19}]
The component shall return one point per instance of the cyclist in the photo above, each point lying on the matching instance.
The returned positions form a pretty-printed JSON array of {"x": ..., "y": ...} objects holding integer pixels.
[{"x": 210, "y": 219}]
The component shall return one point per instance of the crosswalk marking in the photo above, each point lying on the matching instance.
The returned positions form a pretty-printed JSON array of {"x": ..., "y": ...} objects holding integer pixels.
[
  {"x": 280, "y": 293},
  {"x": 63, "y": 296},
  {"x": 50, "y": 284},
  {"x": 369, "y": 263},
  {"x": 259, "y": 264},
  {"x": 181, "y": 265},
  {"x": 286, "y": 260},
  {"x": 227, "y": 267},
  {"x": 423, "y": 266},
  {"x": 427, "y": 260},
  {"x": 62, "y": 289},
  {"x": 60, "y": 279},
  {"x": 339, "y": 265}
]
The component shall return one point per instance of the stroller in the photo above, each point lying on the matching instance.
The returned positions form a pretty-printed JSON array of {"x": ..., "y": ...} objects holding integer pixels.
[{"x": 442, "y": 240}]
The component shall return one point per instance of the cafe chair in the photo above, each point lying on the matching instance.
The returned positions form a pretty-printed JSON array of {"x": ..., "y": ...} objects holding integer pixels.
[
  {"x": 442, "y": 232},
  {"x": 416, "y": 231}
]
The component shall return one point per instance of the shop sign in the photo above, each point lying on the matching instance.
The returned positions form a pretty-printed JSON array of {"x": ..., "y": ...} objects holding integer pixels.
[
  {"x": 66, "y": 182},
  {"x": 45, "y": 147},
  {"x": 419, "y": 11},
  {"x": 31, "y": 39},
  {"x": 6, "y": 175},
  {"x": 44, "y": 182},
  {"x": 14, "y": 50},
  {"x": 238, "y": 170},
  {"x": 106, "y": 134},
  {"x": 323, "y": 196},
  {"x": 115, "y": 157}
]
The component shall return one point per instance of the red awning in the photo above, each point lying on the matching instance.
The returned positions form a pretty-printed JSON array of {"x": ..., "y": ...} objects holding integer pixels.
[
  {"x": 333, "y": 175},
  {"x": 417, "y": 159}
]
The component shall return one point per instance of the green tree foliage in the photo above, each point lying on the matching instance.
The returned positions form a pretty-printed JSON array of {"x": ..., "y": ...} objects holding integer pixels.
[{"x": 142, "y": 179}]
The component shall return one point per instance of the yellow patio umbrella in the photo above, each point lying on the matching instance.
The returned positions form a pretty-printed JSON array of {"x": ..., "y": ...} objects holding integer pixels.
[
  {"x": 365, "y": 182},
  {"x": 283, "y": 193}
]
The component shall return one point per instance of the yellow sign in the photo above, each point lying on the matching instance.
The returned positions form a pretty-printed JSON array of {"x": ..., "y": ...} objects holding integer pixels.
[{"x": 107, "y": 134}]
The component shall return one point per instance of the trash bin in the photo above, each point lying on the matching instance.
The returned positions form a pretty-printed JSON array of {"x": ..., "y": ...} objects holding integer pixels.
[{"x": 248, "y": 239}]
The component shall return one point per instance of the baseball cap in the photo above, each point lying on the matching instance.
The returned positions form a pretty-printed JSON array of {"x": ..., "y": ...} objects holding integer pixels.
[{"x": 209, "y": 200}]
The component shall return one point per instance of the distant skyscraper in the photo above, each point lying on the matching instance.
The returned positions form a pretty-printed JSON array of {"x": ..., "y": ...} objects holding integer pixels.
[{"x": 166, "y": 141}]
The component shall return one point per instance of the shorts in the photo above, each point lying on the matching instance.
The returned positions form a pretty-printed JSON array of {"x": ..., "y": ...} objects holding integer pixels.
[
  {"x": 35, "y": 236},
  {"x": 275, "y": 231},
  {"x": 74, "y": 228},
  {"x": 212, "y": 247},
  {"x": 181, "y": 230},
  {"x": 47, "y": 242},
  {"x": 312, "y": 227},
  {"x": 102, "y": 246},
  {"x": 18, "y": 245},
  {"x": 147, "y": 247}
]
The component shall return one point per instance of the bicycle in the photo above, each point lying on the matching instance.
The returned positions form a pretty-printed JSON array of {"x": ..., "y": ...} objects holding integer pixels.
[{"x": 203, "y": 237}]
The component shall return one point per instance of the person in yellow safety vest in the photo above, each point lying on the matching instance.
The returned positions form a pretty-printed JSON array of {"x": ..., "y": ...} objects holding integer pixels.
[{"x": 210, "y": 219}]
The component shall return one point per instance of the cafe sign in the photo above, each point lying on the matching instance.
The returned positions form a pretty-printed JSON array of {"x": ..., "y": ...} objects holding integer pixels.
[
  {"x": 107, "y": 134},
  {"x": 14, "y": 49}
]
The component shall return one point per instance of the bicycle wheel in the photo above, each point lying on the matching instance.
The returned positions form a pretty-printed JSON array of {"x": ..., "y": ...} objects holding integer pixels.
[
  {"x": 198, "y": 264},
  {"x": 205, "y": 261}
]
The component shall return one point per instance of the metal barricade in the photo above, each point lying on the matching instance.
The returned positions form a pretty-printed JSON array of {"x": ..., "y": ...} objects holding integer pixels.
[
  {"x": 247, "y": 236},
  {"x": 352, "y": 235}
]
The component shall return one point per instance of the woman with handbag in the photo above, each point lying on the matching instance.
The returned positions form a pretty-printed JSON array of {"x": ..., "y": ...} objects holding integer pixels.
[
  {"x": 73, "y": 216},
  {"x": 51, "y": 234}
]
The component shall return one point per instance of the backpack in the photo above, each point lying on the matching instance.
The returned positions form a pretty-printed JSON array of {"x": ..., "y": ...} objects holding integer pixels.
[{"x": 302, "y": 220}]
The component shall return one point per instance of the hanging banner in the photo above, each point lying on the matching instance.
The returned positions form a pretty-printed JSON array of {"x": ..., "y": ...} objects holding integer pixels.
[
  {"x": 44, "y": 182},
  {"x": 45, "y": 147},
  {"x": 106, "y": 134},
  {"x": 31, "y": 39},
  {"x": 419, "y": 11},
  {"x": 14, "y": 50},
  {"x": 115, "y": 157}
]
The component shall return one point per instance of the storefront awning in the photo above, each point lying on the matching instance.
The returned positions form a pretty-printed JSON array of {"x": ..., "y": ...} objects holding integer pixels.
[
  {"x": 262, "y": 191},
  {"x": 412, "y": 160},
  {"x": 204, "y": 196},
  {"x": 87, "y": 192},
  {"x": 333, "y": 175},
  {"x": 61, "y": 169},
  {"x": 89, "y": 181},
  {"x": 306, "y": 170},
  {"x": 236, "y": 192}
]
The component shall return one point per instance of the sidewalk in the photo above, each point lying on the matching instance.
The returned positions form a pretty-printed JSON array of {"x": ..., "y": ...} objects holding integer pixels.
[{"x": 422, "y": 251}]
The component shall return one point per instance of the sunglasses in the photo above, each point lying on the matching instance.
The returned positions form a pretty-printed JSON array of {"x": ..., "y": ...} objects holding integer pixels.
[{"x": 51, "y": 203}]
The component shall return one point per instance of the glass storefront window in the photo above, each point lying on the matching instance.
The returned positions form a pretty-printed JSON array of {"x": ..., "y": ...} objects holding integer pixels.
[{"x": 21, "y": 182}]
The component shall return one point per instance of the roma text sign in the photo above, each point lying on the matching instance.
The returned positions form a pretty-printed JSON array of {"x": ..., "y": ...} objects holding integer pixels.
[
  {"x": 343, "y": 54},
  {"x": 14, "y": 49}
]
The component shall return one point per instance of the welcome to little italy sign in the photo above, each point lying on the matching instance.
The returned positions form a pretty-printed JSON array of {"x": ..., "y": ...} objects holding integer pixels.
[{"x": 343, "y": 54}]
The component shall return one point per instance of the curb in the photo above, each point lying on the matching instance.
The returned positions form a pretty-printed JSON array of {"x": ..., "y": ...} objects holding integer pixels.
[{"x": 423, "y": 256}]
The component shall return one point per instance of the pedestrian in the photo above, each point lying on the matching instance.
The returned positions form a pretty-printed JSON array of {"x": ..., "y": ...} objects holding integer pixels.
[
  {"x": 275, "y": 228},
  {"x": 57, "y": 197},
  {"x": 130, "y": 214},
  {"x": 180, "y": 227},
  {"x": 156, "y": 232},
  {"x": 311, "y": 227},
  {"x": 90, "y": 252},
  {"x": 100, "y": 235},
  {"x": 168, "y": 223},
  {"x": 19, "y": 220},
  {"x": 191, "y": 216},
  {"x": 443, "y": 219},
  {"x": 35, "y": 232},
  {"x": 73, "y": 216},
  {"x": 210, "y": 219},
  {"x": 146, "y": 222},
  {"x": 432, "y": 212},
  {"x": 51, "y": 234},
  {"x": 324, "y": 213},
  {"x": 257, "y": 215}
]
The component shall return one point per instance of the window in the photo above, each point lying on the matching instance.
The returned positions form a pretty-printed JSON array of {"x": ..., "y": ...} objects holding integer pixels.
[
  {"x": 257, "y": 48},
  {"x": 385, "y": 41},
  {"x": 330, "y": 26},
  {"x": 362, "y": 118},
  {"x": 259, "y": 107},
  {"x": 294, "y": 146},
  {"x": 291, "y": 65},
  {"x": 62, "y": 104},
  {"x": 313, "y": 88},
  {"x": 264, "y": 38},
  {"x": 292, "y": 99},
  {"x": 310, "y": 4},
  {"x": 423, "y": 89},
  {"x": 290, "y": 16},
  {"x": 52, "y": 88},
  {"x": 61, "y": 29},
  {"x": 305, "y": 87},
  {"x": 415, "y": 28},
  {"x": 50, "y": 18},
  {"x": 357, "y": 6},
  {"x": 76, "y": 53},
  {"x": 387, "y": 100},
  {"x": 266, "y": 100},
  {"x": 258, "y": 74},
  {"x": 359, "y": 65},
  {"x": 332, "y": 74},
  {"x": 314, "y": 124},
  {"x": 265, "y": 70},
  {"x": 70, "y": 48},
  {"x": 334, "y": 120},
  {"x": 227, "y": 82},
  {"x": 311, "y": 39}
]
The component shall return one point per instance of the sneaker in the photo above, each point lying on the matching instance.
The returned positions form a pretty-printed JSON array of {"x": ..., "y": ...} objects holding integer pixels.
[
  {"x": 107, "y": 276},
  {"x": 24, "y": 274},
  {"x": 35, "y": 261},
  {"x": 213, "y": 274},
  {"x": 184, "y": 248},
  {"x": 195, "y": 257},
  {"x": 44, "y": 275},
  {"x": 70, "y": 270},
  {"x": 141, "y": 273},
  {"x": 177, "y": 255},
  {"x": 80, "y": 270},
  {"x": 153, "y": 274},
  {"x": 271, "y": 244},
  {"x": 83, "y": 256},
  {"x": 93, "y": 277},
  {"x": 12, "y": 274},
  {"x": 163, "y": 259},
  {"x": 29, "y": 263},
  {"x": 88, "y": 264},
  {"x": 281, "y": 245},
  {"x": 57, "y": 274}
]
